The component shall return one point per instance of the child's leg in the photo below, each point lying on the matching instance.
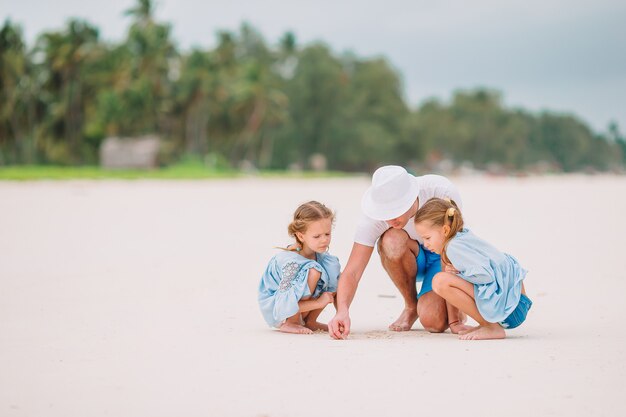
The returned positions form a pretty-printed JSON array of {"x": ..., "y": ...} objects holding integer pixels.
[
  {"x": 456, "y": 320},
  {"x": 397, "y": 254},
  {"x": 307, "y": 309},
  {"x": 292, "y": 325},
  {"x": 457, "y": 292},
  {"x": 311, "y": 321},
  {"x": 310, "y": 318},
  {"x": 308, "y": 304},
  {"x": 460, "y": 294}
]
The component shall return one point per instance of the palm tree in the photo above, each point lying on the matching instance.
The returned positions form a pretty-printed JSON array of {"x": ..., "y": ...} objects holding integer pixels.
[
  {"x": 193, "y": 92},
  {"x": 17, "y": 98},
  {"x": 143, "y": 12},
  {"x": 259, "y": 102},
  {"x": 152, "y": 53},
  {"x": 66, "y": 55}
]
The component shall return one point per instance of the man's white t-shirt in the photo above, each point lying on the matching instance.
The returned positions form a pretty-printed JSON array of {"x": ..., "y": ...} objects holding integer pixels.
[{"x": 369, "y": 230}]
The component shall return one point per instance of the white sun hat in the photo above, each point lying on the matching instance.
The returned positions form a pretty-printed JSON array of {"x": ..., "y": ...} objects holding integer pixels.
[{"x": 392, "y": 193}]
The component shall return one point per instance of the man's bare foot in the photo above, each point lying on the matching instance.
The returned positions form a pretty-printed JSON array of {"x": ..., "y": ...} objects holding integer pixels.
[
  {"x": 460, "y": 328},
  {"x": 491, "y": 331},
  {"x": 294, "y": 328},
  {"x": 316, "y": 325},
  {"x": 405, "y": 321}
]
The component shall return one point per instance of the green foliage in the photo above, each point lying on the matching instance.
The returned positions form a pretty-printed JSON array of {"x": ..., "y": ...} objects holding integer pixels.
[
  {"x": 477, "y": 128},
  {"x": 248, "y": 102}
]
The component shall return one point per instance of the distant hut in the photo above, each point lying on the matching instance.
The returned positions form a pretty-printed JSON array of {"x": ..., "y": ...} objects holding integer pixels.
[{"x": 130, "y": 153}]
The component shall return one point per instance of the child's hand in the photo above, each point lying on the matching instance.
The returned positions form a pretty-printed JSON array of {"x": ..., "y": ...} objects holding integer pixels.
[
  {"x": 326, "y": 298},
  {"x": 449, "y": 268}
]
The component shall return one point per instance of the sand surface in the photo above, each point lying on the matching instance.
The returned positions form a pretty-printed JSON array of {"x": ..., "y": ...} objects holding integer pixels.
[{"x": 139, "y": 299}]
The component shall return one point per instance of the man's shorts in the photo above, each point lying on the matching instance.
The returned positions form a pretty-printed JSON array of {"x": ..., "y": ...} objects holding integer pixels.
[
  {"x": 518, "y": 315},
  {"x": 428, "y": 265}
]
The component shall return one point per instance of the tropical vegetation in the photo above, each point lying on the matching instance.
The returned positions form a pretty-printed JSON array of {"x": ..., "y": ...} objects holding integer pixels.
[{"x": 272, "y": 106}]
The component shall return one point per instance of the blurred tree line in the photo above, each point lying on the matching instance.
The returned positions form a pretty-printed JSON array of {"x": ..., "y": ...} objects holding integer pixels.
[{"x": 274, "y": 106}]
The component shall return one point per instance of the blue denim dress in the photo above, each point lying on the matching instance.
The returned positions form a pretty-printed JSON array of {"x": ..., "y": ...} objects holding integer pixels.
[
  {"x": 497, "y": 276},
  {"x": 284, "y": 283}
]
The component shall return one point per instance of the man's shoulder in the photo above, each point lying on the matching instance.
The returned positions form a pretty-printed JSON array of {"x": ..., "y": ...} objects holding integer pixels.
[
  {"x": 433, "y": 185},
  {"x": 368, "y": 223},
  {"x": 369, "y": 230},
  {"x": 434, "y": 179}
]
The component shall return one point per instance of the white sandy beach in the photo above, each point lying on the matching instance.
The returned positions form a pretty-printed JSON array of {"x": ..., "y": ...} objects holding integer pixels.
[{"x": 138, "y": 299}]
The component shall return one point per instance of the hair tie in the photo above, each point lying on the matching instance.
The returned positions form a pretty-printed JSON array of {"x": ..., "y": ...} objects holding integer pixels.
[{"x": 450, "y": 212}]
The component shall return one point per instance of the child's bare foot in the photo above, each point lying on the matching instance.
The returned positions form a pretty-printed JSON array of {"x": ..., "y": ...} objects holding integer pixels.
[
  {"x": 460, "y": 328},
  {"x": 316, "y": 325},
  {"x": 491, "y": 331},
  {"x": 468, "y": 329},
  {"x": 462, "y": 317},
  {"x": 405, "y": 321},
  {"x": 294, "y": 328}
]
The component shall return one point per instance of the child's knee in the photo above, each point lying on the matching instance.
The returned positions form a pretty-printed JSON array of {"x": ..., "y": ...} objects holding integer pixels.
[{"x": 440, "y": 283}]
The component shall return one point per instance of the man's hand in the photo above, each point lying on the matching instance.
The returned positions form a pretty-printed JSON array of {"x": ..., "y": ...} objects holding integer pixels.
[{"x": 339, "y": 326}]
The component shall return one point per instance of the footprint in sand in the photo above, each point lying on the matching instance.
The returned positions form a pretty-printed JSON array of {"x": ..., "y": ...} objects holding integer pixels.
[{"x": 378, "y": 334}]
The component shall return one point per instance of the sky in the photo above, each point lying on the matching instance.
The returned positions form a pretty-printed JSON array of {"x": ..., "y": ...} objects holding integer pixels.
[{"x": 566, "y": 56}]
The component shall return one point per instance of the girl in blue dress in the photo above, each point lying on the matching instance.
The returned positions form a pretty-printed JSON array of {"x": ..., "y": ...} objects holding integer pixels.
[
  {"x": 477, "y": 278},
  {"x": 302, "y": 279}
]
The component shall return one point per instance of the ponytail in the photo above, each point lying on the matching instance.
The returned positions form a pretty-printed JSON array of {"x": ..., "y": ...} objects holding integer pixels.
[{"x": 454, "y": 220}]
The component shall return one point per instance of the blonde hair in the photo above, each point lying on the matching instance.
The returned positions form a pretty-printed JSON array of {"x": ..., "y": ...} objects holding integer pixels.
[
  {"x": 441, "y": 212},
  {"x": 306, "y": 214}
]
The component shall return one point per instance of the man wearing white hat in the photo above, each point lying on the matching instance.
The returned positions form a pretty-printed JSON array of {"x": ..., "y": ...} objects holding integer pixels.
[{"x": 388, "y": 206}]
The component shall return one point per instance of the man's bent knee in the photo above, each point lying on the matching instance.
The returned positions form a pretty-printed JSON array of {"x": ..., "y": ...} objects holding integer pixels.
[
  {"x": 434, "y": 324},
  {"x": 393, "y": 243},
  {"x": 433, "y": 312}
]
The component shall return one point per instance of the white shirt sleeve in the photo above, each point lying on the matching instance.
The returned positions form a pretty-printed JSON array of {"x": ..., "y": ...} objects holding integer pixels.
[
  {"x": 369, "y": 230},
  {"x": 438, "y": 186}
]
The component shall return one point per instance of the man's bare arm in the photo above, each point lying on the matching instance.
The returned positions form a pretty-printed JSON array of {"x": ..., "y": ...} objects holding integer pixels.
[
  {"x": 339, "y": 326},
  {"x": 351, "y": 275}
]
